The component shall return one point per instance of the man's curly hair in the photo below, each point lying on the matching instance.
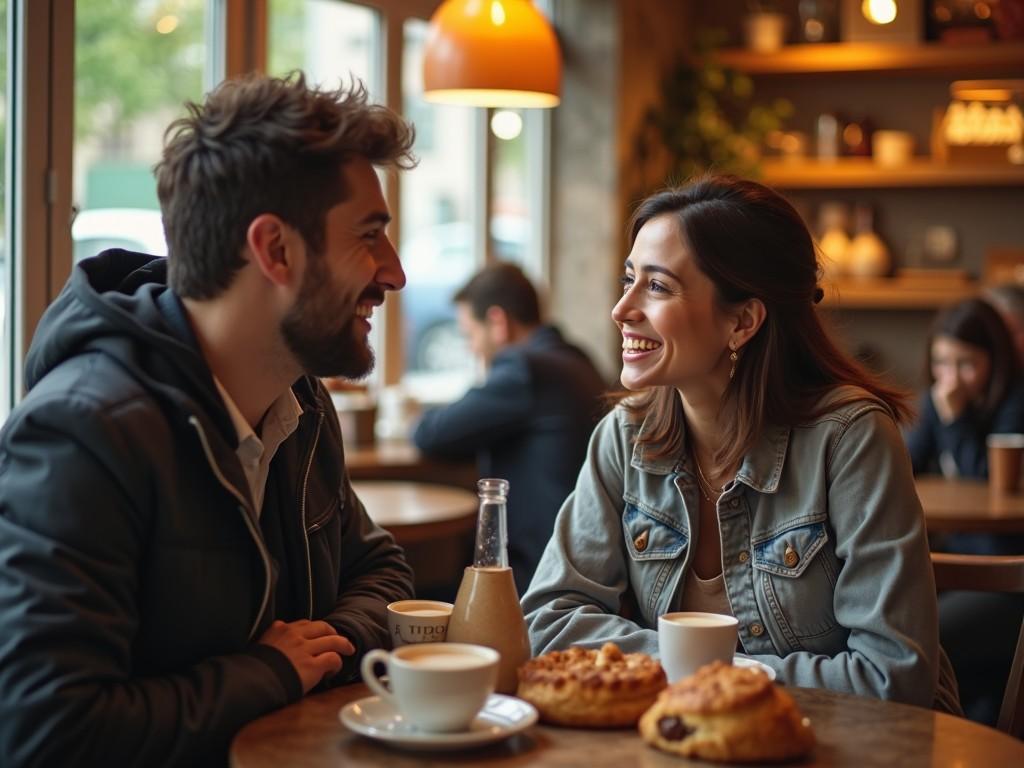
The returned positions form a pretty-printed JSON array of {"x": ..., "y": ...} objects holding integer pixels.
[{"x": 259, "y": 145}]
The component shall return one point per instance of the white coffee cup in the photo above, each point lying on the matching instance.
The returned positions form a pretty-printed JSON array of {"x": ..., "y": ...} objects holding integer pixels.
[
  {"x": 687, "y": 640},
  {"x": 418, "y": 621},
  {"x": 436, "y": 687}
]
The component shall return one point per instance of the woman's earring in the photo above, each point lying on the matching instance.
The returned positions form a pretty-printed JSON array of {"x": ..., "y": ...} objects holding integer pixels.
[{"x": 733, "y": 357}]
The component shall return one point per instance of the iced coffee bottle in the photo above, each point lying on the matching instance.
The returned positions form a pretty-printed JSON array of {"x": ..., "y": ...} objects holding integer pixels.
[{"x": 487, "y": 608}]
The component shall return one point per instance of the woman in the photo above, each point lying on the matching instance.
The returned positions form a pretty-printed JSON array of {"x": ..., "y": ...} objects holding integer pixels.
[
  {"x": 974, "y": 391},
  {"x": 756, "y": 470}
]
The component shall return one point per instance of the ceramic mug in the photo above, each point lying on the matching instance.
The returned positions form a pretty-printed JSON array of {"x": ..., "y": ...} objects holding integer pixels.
[
  {"x": 418, "y": 621},
  {"x": 688, "y": 640},
  {"x": 435, "y": 687}
]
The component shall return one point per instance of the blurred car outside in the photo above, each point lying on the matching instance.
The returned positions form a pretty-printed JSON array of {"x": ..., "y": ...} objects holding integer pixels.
[{"x": 134, "y": 229}]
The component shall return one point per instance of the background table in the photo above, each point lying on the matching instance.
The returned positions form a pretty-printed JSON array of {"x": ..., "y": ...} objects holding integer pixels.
[
  {"x": 401, "y": 460},
  {"x": 851, "y": 731},
  {"x": 963, "y": 505},
  {"x": 435, "y": 524}
]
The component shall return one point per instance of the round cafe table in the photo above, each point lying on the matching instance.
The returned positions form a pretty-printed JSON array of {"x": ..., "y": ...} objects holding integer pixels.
[
  {"x": 965, "y": 505},
  {"x": 418, "y": 512},
  {"x": 852, "y": 732},
  {"x": 433, "y": 523}
]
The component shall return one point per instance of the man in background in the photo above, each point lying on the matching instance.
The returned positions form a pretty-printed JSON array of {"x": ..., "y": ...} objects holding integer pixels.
[
  {"x": 180, "y": 548},
  {"x": 531, "y": 419}
]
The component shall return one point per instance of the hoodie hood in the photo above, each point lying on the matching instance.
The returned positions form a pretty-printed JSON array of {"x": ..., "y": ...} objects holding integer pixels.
[{"x": 118, "y": 304}]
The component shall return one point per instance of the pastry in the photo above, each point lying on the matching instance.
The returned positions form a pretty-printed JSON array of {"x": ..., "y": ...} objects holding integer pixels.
[
  {"x": 588, "y": 688},
  {"x": 728, "y": 714}
]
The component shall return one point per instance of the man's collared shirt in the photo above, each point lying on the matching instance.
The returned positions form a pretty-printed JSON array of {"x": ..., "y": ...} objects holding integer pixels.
[{"x": 255, "y": 452}]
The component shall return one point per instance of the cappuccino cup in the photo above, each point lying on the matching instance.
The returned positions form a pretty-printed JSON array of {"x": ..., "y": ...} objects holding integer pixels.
[
  {"x": 687, "y": 640},
  {"x": 418, "y": 621},
  {"x": 435, "y": 687}
]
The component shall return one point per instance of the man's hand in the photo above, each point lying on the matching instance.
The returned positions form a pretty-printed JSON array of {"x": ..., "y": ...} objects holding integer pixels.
[{"x": 313, "y": 647}]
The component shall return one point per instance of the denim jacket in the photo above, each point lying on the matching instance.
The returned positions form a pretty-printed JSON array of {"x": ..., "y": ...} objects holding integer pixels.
[{"x": 824, "y": 554}]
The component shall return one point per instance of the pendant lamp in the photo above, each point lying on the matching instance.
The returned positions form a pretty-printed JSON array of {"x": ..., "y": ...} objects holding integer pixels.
[{"x": 491, "y": 53}]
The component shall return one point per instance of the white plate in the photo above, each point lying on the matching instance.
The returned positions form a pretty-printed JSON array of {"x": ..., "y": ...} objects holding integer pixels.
[
  {"x": 746, "y": 661},
  {"x": 501, "y": 717}
]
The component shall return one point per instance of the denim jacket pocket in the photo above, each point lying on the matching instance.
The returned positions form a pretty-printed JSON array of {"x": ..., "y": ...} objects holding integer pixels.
[
  {"x": 796, "y": 578},
  {"x": 648, "y": 538}
]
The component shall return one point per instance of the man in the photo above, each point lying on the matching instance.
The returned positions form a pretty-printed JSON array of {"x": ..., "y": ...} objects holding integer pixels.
[
  {"x": 180, "y": 548},
  {"x": 530, "y": 421}
]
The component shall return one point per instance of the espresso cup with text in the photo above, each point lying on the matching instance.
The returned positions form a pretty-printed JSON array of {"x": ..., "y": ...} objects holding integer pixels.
[
  {"x": 418, "y": 621},
  {"x": 435, "y": 687},
  {"x": 687, "y": 640}
]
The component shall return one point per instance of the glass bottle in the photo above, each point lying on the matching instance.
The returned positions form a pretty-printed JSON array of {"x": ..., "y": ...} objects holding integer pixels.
[
  {"x": 867, "y": 255},
  {"x": 487, "y": 610},
  {"x": 834, "y": 243}
]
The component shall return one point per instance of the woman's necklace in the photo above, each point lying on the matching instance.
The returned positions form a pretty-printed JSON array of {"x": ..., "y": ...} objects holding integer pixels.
[{"x": 705, "y": 484}]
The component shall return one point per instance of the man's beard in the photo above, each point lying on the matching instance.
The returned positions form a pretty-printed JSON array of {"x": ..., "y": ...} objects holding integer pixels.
[{"x": 319, "y": 329}]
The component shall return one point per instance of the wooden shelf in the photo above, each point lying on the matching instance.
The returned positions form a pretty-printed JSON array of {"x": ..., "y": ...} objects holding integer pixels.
[
  {"x": 897, "y": 293},
  {"x": 862, "y": 172},
  {"x": 883, "y": 58}
]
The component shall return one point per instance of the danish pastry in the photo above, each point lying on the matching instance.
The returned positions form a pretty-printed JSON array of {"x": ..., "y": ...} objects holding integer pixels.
[
  {"x": 589, "y": 688},
  {"x": 728, "y": 714}
]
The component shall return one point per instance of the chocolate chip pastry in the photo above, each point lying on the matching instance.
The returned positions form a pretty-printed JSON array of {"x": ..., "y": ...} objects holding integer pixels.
[
  {"x": 587, "y": 688},
  {"x": 728, "y": 714}
]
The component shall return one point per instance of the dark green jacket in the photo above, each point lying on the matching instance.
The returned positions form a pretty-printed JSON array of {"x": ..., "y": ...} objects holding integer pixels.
[{"x": 134, "y": 576}]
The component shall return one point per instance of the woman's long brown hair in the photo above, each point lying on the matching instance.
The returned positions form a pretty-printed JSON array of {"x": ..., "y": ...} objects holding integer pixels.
[{"x": 751, "y": 243}]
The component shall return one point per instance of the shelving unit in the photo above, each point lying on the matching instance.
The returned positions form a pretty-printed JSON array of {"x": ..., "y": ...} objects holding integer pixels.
[
  {"x": 899, "y": 292},
  {"x": 862, "y": 173},
  {"x": 880, "y": 59},
  {"x": 916, "y": 291}
]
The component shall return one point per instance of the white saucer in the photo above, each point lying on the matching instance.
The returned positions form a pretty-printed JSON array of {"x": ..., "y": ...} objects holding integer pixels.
[
  {"x": 501, "y": 717},
  {"x": 745, "y": 661}
]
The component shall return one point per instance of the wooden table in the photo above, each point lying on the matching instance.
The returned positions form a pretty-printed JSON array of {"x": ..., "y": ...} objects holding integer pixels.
[
  {"x": 435, "y": 524},
  {"x": 401, "y": 460},
  {"x": 963, "y": 505},
  {"x": 851, "y": 731},
  {"x": 416, "y": 512}
]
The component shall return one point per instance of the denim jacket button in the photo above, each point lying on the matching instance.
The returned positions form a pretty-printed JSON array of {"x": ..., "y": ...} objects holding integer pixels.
[
  {"x": 744, "y": 556},
  {"x": 734, "y": 503},
  {"x": 640, "y": 542},
  {"x": 790, "y": 558},
  {"x": 756, "y": 629}
]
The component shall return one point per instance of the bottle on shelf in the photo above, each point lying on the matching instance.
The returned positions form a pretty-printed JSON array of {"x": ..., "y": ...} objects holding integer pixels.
[
  {"x": 833, "y": 242},
  {"x": 867, "y": 255},
  {"x": 487, "y": 610}
]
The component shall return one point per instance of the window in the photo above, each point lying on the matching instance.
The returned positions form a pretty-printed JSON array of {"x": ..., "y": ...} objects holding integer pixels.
[
  {"x": 439, "y": 245},
  {"x": 328, "y": 40},
  {"x": 136, "y": 63}
]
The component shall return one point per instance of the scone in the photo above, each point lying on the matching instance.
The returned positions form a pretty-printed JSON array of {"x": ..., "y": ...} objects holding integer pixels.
[
  {"x": 729, "y": 714},
  {"x": 591, "y": 689}
]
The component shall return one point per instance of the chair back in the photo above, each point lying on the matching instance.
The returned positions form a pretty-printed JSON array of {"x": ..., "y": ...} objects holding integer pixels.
[{"x": 991, "y": 573}]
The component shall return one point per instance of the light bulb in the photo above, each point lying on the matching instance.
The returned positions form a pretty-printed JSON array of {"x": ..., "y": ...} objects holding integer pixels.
[
  {"x": 879, "y": 11},
  {"x": 506, "y": 124}
]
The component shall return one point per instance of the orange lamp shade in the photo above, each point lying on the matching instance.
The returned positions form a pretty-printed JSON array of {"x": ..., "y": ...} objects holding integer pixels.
[{"x": 491, "y": 53}]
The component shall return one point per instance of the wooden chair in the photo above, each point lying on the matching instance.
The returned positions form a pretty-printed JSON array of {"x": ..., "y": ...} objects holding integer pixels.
[{"x": 991, "y": 573}]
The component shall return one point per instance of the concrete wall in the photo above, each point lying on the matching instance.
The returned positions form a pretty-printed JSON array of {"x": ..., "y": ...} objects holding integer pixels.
[{"x": 614, "y": 52}]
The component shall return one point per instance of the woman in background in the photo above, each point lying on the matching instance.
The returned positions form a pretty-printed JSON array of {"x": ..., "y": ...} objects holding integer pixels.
[
  {"x": 975, "y": 390},
  {"x": 757, "y": 470}
]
